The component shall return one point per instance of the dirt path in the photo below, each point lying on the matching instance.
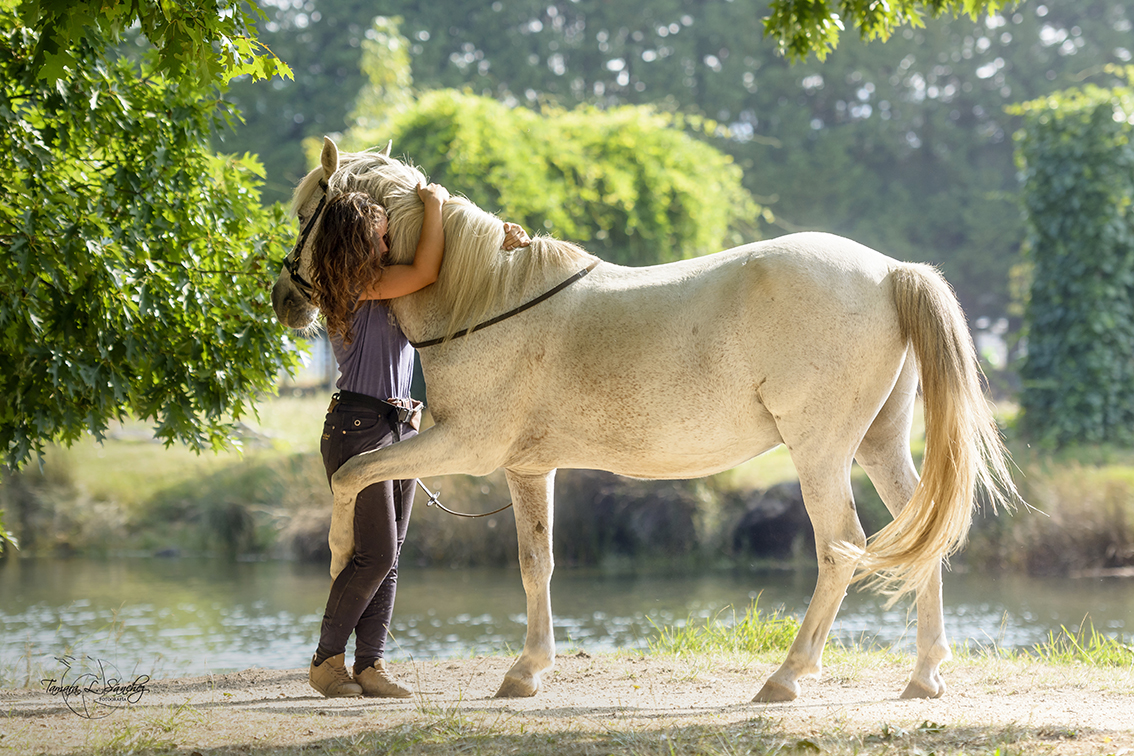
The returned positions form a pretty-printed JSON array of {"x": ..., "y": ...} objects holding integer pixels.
[{"x": 604, "y": 704}]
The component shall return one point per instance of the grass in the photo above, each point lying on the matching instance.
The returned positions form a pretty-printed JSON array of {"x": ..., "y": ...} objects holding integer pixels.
[
  {"x": 753, "y": 633},
  {"x": 158, "y": 732},
  {"x": 131, "y": 468},
  {"x": 1087, "y": 646},
  {"x": 488, "y": 735},
  {"x": 437, "y": 726},
  {"x": 757, "y": 632},
  {"x": 132, "y": 493},
  {"x": 136, "y": 495},
  {"x": 754, "y": 736}
]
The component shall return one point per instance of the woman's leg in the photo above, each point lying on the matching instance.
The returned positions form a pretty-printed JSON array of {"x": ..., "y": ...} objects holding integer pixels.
[
  {"x": 377, "y": 535},
  {"x": 375, "y": 554},
  {"x": 374, "y": 624}
]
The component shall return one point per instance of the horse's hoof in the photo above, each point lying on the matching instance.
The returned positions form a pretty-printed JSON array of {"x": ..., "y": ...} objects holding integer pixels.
[
  {"x": 773, "y": 692},
  {"x": 917, "y": 690},
  {"x": 513, "y": 687}
]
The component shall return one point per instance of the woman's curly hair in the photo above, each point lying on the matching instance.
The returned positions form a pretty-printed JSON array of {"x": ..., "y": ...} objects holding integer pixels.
[{"x": 345, "y": 258}]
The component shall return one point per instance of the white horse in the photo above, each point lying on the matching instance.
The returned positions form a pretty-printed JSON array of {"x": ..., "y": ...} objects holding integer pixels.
[{"x": 680, "y": 371}]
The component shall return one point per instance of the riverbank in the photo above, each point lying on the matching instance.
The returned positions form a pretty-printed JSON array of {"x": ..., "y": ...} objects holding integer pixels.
[
  {"x": 610, "y": 703},
  {"x": 130, "y": 495}
]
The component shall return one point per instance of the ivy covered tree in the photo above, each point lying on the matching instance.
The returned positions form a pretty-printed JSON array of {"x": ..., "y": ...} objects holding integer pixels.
[
  {"x": 134, "y": 262},
  {"x": 626, "y": 182},
  {"x": 1077, "y": 155}
]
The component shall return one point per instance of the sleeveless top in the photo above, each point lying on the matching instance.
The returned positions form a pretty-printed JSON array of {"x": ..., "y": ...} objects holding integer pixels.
[{"x": 379, "y": 361}]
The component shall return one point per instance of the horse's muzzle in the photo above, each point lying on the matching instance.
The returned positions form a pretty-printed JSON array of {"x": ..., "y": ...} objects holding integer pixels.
[{"x": 291, "y": 307}]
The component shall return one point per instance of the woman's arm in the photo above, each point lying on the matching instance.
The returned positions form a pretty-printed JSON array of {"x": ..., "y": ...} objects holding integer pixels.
[{"x": 399, "y": 280}]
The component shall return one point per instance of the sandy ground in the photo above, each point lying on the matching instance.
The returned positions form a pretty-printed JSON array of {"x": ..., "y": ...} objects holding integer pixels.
[{"x": 604, "y": 700}]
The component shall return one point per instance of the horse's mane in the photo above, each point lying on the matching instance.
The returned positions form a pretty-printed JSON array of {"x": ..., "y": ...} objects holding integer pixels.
[{"x": 476, "y": 273}]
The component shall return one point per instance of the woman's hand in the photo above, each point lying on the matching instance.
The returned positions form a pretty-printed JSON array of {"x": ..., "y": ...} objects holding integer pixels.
[
  {"x": 434, "y": 193},
  {"x": 515, "y": 236}
]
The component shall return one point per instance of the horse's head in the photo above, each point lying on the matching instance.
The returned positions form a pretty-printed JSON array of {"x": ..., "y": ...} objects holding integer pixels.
[
  {"x": 390, "y": 182},
  {"x": 291, "y": 296}
]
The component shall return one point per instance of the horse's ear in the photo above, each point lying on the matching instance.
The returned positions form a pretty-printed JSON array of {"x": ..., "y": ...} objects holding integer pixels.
[
  {"x": 329, "y": 158},
  {"x": 386, "y": 151}
]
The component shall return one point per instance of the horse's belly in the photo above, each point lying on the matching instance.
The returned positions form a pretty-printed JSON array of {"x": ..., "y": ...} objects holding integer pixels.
[
  {"x": 670, "y": 463},
  {"x": 644, "y": 444}
]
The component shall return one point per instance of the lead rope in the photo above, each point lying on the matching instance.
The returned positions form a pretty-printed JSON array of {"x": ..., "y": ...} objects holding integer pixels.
[{"x": 433, "y": 501}]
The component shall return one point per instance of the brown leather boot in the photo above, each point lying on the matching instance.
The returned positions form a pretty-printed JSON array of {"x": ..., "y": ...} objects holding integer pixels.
[
  {"x": 332, "y": 679},
  {"x": 377, "y": 683}
]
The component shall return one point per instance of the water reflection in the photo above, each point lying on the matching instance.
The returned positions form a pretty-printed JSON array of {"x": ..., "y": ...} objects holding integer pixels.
[{"x": 184, "y": 616}]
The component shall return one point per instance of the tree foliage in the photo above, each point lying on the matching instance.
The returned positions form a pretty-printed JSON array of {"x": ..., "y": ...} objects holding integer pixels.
[
  {"x": 903, "y": 145},
  {"x": 802, "y": 27},
  {"x": 321, "y": 41},
  {"x": 205, "y": 40},
  {"x": 135, "y": 262},
  {"x": 1077, "y": 156},
  {"x": 6, "y": 538}
]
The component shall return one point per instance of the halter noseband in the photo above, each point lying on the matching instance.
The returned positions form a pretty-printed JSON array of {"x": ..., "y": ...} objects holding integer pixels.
[{"x": 291, "y": 262}]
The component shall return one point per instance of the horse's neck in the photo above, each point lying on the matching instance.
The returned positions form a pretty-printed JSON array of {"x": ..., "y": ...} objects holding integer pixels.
[
  {"x": 424, "y": 315},
  {"x": 418, "y": 315}
]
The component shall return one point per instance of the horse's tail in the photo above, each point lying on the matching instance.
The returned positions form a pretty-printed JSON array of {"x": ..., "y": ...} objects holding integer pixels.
[{"x": 963, "y": 449}]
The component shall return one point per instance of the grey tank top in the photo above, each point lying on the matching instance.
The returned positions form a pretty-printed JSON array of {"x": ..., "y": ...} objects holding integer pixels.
[{"x": 379, "y": 361}]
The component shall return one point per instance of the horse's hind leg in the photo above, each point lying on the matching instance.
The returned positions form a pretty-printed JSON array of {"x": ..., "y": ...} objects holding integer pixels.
[
  {"x": 885, "y": 456},
  {"x": 532, "y": 501},
  {"x": 825, "y": 480}
]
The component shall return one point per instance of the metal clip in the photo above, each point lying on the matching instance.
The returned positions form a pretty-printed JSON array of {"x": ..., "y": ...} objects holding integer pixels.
[{"x": 432, "y": 496}]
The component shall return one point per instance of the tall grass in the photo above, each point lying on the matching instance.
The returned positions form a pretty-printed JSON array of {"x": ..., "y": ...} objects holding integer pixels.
[
  {"x": 1087, "y": 646},
  {"x": 1080, "y": 518},
  {"x": 752, "y": 633}
]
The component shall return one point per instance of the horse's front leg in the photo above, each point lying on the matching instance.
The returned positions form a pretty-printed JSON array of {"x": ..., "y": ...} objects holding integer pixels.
[
  {"x": 436, "y": 451},
  {"x": 532, "y": 501}
]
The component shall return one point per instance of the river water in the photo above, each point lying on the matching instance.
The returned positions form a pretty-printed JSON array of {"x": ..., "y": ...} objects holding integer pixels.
[{"x": 175, "y": 617}]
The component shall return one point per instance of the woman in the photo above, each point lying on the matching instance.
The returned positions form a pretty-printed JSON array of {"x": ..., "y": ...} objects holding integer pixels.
[{"x": 351, "y": 279}]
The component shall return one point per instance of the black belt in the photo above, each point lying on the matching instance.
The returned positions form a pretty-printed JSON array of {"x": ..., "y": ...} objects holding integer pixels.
[
  {"x": 364, "y": 400},
  {"x": 397, "y": 412}
]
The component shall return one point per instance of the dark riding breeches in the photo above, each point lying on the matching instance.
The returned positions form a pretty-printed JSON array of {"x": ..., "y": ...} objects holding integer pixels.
[{"x": 362, "y": 596}]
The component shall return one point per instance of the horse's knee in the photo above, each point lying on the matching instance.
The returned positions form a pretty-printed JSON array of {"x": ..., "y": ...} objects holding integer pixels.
[{"x": 343, "y": 479}]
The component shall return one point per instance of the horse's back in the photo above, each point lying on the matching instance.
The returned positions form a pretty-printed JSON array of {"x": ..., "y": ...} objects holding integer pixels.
[{"x": 744, "y": 308}]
